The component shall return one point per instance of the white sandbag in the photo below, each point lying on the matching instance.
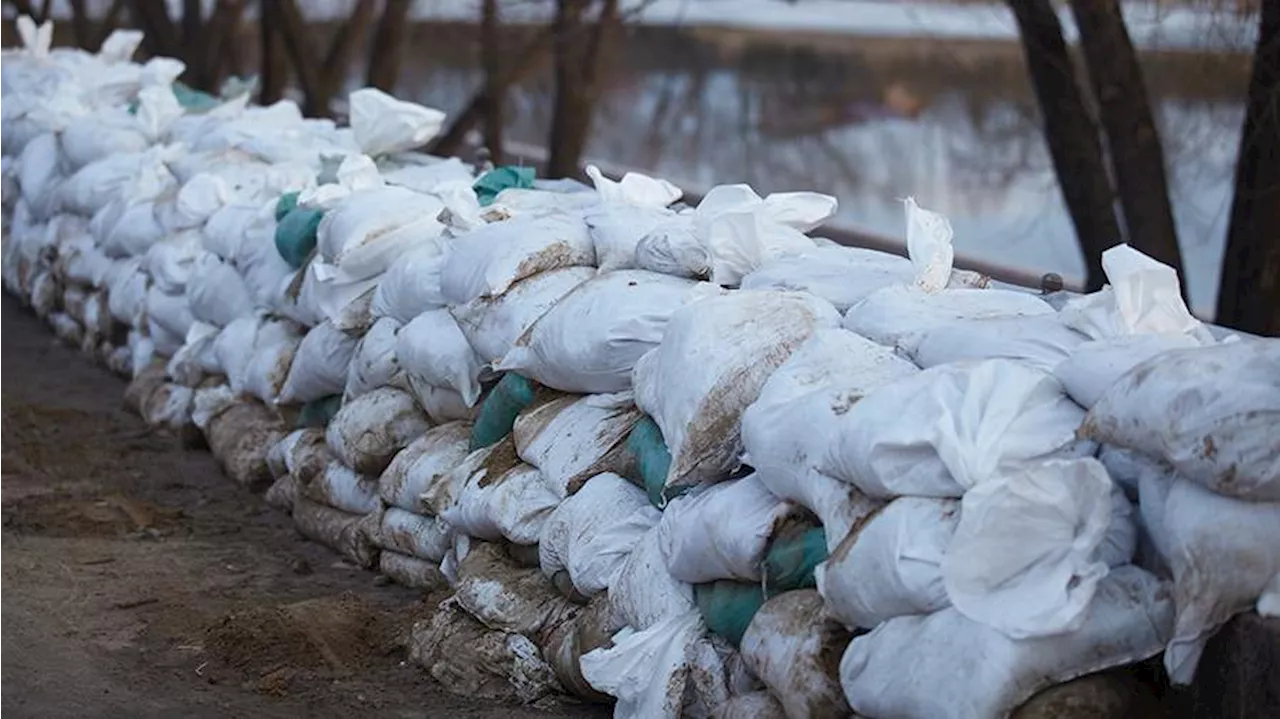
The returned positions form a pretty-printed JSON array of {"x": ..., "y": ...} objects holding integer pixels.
[
  {"x": 570, "y": 439},
  {"x": 216, "y": 293},
  {"x": 126, "y": 286},
  {"x": 66, "y": 329},
  {"x": 320, "y": 365},
  {"x": 369, "y": 229},
  {"x": 590, "y": 340},
  {"x": 489, "y": 260},
  {"x": 415, "y": 535},
  {"x": 948, "y": 428},
  {"x": 841, "y": 275},
  {"x": 714, "y": 358},
  {"x": 787, "y": 430},
  {"x": 891, "y": 564},
  {"x": 634, "y": 189},
  {"x": 1025, "y": 555},
  {"x": 1210, "y": 412},
  {"x": 441, "y": 403},
  {"x": 280, "y": 453},
  {"x": 412, "y": 284},
  {"x": 129, "y": 177},
  {"x": 899, "y": 315},
  {"x": 1094, "y": 367},
  {"x": 591, "y": 534},
  {"x": 526, "y": 204},
  {"x": 383, "y": 125},
  {"x": 368, "y": 431},
  {"x": 495, "y": 504},
  {"x": 644, "y": 592},
  {"x": 419, "y": 466},
  {"x": 646, "y": 669},
  {"x": 795, "y": 646},
  {"x": 224, "y": 231},
  {"x": 341, "y": 488},
  {"x": 169, "y": 311},
  {"x": 260, "y": 263},
  {"x": 721, "y": 532},
  {"x": 923, "y": 666},
  {"x": 492, "y": 325},
  {"x": 374, "y": 364},
  {"x": 38, "y": 175},
  {"x": 1222, "y": 553},
  {"x": 170, "y": 261},
  {"x": 616, "y": 231},
  {"x": 135, "y": 231},
  {"x": 268, "y": 366},
  {"x": 433, "y": 350},
  {"x": 1144, "y": 297},
  {"x": 1041, "y": 341}
]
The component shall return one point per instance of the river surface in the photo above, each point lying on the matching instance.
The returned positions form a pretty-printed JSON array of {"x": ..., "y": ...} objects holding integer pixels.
[{"x": 870, "y": 119}]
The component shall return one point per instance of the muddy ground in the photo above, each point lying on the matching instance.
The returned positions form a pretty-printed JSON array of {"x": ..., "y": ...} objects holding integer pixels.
[{"x": 138, "y": 581}]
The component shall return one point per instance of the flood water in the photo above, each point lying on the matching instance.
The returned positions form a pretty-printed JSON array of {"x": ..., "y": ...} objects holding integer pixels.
[{"x": 870, "y": 120}]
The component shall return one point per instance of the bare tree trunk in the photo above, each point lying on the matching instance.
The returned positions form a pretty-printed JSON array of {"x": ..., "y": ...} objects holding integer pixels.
[
  {"x": 388, "y": 46},
  {"x": 452, "y": 138},
  {"x": 1133, "y": 142},
  {"x": 577, "y": 56},
  {"x": 494, "y": 95},
  {"x": 320, "y": 79},
  {"x": 336, "y": 62},
  {"x": 1249, "y": 296},
  {"x": 275, "y": 68},
  {"x": 1071, "y": 134}
]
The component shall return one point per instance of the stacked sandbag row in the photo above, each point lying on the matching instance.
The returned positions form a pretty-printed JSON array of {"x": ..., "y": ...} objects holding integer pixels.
[{"x": 689, "y": 460}]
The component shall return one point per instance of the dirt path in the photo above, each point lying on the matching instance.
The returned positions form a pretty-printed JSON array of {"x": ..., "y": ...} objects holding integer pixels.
[{"x": 138, "y": 581}]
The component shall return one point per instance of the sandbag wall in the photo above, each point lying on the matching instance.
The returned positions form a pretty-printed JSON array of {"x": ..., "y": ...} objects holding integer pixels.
[{"x": 691, "y": 461}]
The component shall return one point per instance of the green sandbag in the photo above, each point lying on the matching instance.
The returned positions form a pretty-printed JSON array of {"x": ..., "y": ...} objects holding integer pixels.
[
  {"x": 318, "y": 412},
  {"x": 194, "y": 100},
  {"x": 488, "y": 185},
  {"x": 652, "y": 461},
  {"x": 792, "y": 556},
  {"x": 728, "y": 606},
  {"x": 509, "y": 398},
  {"x": 296, "y": 235},
  {"x": 285, "y": 204}
]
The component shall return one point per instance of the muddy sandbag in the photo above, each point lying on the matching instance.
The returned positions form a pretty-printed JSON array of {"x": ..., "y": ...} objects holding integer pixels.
[
  {"x": 308, "y": 456},
  {"x": 504, "y": 596},
  {"x": 501, "y": 498},
  {"x": 351, "y": 535},
  {"x": 493, "y": 324},
  {"x": 420, "y": 465},
  {"x": 410, "y": 571},
  {"x": 471, "y": 660},
  {"x": 142, "y": 385},
  {"x": 283, "y": 492},
  {"x": 715, "y": 357},
  {"x": 487, "y": 261},
  {"x": 795, "y": 647},
  {"x": 427, "y": 538},
  {"x": 921, "y": 665},
  {"x": 366, "y": 433},
  {"x": 374, "y": 363},
  {"x": 169, "y": 407},
  {"x": 572, "y": 439},
  {"x": 1106, "y": 695},
  {"x": 757, "y": 705},
  {"x": 340, "y": 487},
  {"x": 1210, "y": 412},
  {"x": 240, "y": 436},
  {"x": 564, "y": 646}
]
